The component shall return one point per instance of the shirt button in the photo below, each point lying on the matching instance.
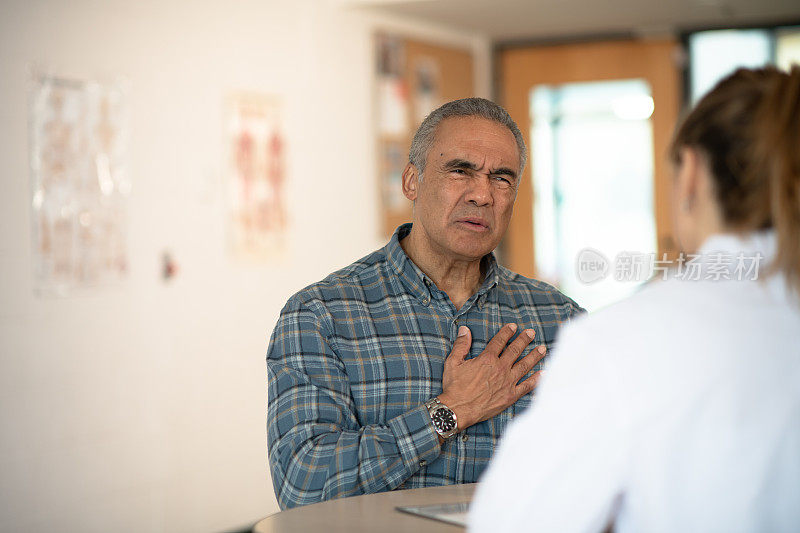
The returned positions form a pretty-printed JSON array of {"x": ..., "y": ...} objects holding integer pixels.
[
  {"x": 464, "y": 437},
  {"x": 423, "y": 462}
]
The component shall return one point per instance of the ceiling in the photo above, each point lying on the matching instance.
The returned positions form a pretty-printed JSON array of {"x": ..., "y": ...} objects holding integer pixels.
[{"x": 519, "y": 20}]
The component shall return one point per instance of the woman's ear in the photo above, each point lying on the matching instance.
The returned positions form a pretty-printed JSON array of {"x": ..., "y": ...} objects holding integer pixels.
[
  {"x": 687, "y": 181},
  {"x": 695, "y": 211},
  {"x": 410, "y": 181}
]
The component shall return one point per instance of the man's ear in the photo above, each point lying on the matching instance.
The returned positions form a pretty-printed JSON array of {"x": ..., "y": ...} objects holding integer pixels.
[{"x": 410, "y": 181}]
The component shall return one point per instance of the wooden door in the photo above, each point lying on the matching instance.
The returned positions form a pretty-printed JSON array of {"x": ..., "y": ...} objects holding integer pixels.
[{"x": 523, "y": 68}]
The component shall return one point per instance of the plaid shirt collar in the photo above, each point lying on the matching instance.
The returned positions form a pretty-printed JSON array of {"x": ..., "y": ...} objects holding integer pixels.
[{"x": 419, "y": 284}]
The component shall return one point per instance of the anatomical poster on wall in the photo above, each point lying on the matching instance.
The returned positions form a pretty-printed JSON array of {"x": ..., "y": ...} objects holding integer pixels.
[
  {"x": 79, "y": 184},
  {"x": 256, "y": 147}
]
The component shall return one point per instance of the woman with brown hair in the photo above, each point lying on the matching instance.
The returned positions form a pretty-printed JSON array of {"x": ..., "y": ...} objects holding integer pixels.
[{"x": 679, "y": 408}]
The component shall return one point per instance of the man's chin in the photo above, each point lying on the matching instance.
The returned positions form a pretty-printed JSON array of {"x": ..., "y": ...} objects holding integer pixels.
[{"x": 474, "y": 250}]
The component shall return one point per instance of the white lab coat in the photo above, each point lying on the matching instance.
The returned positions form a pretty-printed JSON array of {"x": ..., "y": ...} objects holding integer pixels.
[{"x": 675, "y": 410}]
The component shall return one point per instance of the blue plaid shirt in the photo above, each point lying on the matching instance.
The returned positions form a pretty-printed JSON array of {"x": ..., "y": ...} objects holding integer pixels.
[{"x": 354, "y": 358}]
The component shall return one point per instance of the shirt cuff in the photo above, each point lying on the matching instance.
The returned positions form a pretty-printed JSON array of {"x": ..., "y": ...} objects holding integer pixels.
[{"x": 417, "y": 440}]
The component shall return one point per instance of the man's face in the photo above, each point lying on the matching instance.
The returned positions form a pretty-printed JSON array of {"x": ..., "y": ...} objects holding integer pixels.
[{"x": 465, "y": 200}]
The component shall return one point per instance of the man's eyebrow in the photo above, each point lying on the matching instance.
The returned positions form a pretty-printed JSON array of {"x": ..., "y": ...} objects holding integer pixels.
[
  {"x": 504, "y": 171},
  {"x": 469, "y": 165},
  {"x": 461, "y": 163}
]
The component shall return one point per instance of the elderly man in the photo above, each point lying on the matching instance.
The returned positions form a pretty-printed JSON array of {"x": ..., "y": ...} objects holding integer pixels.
[{"x": 403, "y": 369}]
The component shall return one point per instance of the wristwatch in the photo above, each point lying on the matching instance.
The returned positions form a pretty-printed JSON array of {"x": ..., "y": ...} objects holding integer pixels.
[{"x": 444, "y": 419}]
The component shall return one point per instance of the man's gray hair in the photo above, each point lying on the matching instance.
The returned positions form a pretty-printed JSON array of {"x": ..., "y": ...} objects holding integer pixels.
[{"x": 466, "y": 107}]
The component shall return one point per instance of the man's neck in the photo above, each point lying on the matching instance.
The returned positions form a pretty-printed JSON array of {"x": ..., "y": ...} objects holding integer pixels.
[{"x": 458, "y": 278}]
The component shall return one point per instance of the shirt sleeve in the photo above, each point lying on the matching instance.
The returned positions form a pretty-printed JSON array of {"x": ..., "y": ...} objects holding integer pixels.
[
  {"x": 560, "y": 466},
  {"x": 318, "y": 450},
  {"x": 575, "y": 310}
]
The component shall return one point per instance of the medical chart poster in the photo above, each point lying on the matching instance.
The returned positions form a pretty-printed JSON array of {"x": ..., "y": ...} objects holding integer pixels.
[
  {"x": 79, "y": 184},
  {"x": 257, "y": 176}
]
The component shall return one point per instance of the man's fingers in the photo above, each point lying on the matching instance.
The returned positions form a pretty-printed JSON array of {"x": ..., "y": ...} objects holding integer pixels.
[
  {"x": 526, "y": 364},
  {"x": 499, "y": 341},
  {"x": 461, "y": 345},
  {"x": 515, "y": 349},
  {"x": 538, "y": 353},
  {"x": 529, "y": 384}
]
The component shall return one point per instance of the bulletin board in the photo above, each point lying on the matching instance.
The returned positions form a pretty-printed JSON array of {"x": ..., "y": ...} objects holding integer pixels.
[{"x": 412, "y": 79}]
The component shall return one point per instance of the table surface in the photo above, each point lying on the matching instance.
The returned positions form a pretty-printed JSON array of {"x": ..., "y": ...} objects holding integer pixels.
[{"x": 371, "y": 512}]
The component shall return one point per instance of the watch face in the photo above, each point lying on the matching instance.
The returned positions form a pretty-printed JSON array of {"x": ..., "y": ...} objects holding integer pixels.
[{"x": 443, "y": 420}]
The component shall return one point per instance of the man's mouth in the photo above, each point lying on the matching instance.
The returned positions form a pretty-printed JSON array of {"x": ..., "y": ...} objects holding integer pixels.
[{"x": 474, "y": 223}]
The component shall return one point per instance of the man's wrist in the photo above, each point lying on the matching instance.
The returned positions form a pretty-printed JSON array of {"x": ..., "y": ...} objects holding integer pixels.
[
  {"x": 461, "y": 410},
  {"x": 443, "y": 419}
]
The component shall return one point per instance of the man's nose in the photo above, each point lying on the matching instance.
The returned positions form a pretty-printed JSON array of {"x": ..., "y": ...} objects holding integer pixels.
[{"x": 480, "y": 191}]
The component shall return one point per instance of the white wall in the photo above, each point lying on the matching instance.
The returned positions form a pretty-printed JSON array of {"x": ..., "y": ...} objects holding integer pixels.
[{"x": 141, "y": 407}]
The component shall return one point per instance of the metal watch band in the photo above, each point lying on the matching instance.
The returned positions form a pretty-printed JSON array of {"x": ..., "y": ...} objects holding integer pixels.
[{"x": 434, "y": 405}]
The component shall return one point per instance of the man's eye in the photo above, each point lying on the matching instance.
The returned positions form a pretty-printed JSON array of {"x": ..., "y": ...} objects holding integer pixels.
[
  {"x": 458, "y": 171},
  {"x": 502, "y": 180}
]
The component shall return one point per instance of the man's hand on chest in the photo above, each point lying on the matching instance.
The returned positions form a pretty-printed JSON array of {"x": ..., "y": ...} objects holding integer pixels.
[{"x": 478, "y": 389}]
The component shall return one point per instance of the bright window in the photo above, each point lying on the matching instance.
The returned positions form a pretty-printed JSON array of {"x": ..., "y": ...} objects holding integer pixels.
[
  {"x": 716, "y": 53},
  {"x": 592, "y": 156}
]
